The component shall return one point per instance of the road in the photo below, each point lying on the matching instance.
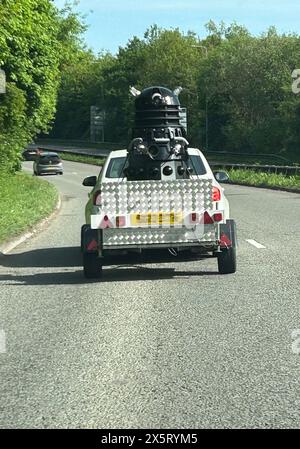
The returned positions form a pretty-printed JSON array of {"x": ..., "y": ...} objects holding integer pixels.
[{"x": 159, "y": 346}]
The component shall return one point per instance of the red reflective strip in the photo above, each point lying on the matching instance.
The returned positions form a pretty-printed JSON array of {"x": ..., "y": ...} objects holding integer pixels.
[
  {"x": 218, "y": 217},
  {"x": 92, "y": 245},
  {"x": 194, "y": 217},
  {"x": 206, "y": 219},
  {"x": 225, "y": 241},
  {"x": 120, "y": 222}
]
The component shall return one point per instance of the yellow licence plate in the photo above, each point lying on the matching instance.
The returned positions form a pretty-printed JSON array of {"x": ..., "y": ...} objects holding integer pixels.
[{"x": 157, "y": 218}]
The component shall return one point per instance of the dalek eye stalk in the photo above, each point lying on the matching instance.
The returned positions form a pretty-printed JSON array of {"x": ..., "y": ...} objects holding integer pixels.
[{"x": 159, "y": 147}]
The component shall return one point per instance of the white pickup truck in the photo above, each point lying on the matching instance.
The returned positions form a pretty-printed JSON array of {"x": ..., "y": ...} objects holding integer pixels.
[{"x": 167, "y": 217}]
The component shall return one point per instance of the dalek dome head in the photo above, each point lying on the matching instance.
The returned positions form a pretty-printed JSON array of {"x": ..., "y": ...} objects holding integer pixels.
[
  {"x": 156, "y": 108},
  {"x": 156, "y": 97}
]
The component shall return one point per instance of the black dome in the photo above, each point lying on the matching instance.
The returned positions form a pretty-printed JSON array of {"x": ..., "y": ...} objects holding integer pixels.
[
  {"x": 155, "y": 97},
  {"x": 156, "y": 107}
]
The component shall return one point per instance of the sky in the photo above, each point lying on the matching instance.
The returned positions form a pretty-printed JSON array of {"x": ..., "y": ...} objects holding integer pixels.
[{"x": 113, "y": 22}]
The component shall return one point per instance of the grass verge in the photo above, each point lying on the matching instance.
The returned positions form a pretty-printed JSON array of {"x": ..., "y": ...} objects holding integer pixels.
[
  {"x": 248, "y": 160},
  {"x": 83, "y": 159},
  {"x": 24, "y": 201},
  {"x": 258, "y": 179}
]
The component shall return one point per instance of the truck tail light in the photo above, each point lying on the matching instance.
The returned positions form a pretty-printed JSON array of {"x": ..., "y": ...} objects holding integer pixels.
[
  {"x": 218, "y": 217},
  {"x": 216, "y": 194},
  {"x": 97, "y": 198},
  {"x": 194, "y": 218}
]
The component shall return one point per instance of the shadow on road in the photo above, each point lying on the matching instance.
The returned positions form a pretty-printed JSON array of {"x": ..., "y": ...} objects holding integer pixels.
[
  {"x": 70, "y": 257},
  {"x": 109, "y": 275},
  {"x": 46, "y": 257}
]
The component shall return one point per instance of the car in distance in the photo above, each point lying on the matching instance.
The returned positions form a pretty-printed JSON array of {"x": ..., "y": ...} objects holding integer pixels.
[
  {"x": 31, "y": 154},
  {"x": 47, "y": 163}
]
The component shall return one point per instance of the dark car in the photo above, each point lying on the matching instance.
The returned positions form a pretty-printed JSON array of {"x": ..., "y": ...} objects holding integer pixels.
[
  {"x": 47, "y": 163},
  {"x": 31, "y": 154}
]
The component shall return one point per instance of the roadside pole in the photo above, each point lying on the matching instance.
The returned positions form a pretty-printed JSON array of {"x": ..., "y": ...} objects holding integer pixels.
[
  {"x": 206, "y": 99},
  {"x": 2, "y": 82}
]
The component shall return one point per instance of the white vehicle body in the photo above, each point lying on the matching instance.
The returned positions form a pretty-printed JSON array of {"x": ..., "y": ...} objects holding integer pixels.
[
  {"x": 184, "y": 210},
  {"x": 220, "y": 205},
  {"x": 156, "y": 225}
]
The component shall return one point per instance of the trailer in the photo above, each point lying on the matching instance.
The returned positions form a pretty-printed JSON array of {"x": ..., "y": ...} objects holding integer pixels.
[{"x": 157, "y": 199}]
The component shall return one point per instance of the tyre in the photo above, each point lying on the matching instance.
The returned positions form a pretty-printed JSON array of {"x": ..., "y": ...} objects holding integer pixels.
[
  {"x": 92, "y": 266},
  {"x": 227, "y": 257},
  {"x": 227, "y": 261}
]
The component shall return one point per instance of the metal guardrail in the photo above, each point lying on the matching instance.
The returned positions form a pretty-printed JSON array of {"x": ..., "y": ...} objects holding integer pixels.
[
  {"x": 280, "y": 169},
  {"x": 277, "y": 169},
  {"x": 250, "y": 155},
  {"x": 76, "y": 151},
  {"x": 265, "y": 157},
  {"x": 74, "y": 143}
]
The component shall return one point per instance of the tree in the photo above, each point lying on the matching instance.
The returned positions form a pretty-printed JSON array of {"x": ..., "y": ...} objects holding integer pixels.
[
  {"x": 249, "y": 81},
  {"x": 35, "y": 39},
  {"x": 245, "y": 79}
]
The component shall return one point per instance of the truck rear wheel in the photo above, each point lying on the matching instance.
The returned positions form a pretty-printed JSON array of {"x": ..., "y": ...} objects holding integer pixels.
[
  {"x": 92, "y": 266},
  {"x": 227, "y": 261},
  {"x": 227, "y": 256}
]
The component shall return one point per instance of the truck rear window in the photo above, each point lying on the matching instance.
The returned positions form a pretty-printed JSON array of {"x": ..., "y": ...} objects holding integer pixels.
[
  {"x": 115, "y": 167},
  {"x": 46, "y": 160},
  {"x": 197, "y": 166}
]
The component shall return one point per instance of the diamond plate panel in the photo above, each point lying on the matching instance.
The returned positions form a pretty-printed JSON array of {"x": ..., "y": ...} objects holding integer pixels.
[
  {"x": 155, "y": 196},
  {"x": 146, "y": 236},
  {"x": 138, "y": 197}
]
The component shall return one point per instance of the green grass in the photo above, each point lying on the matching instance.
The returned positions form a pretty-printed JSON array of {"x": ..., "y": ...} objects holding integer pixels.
[
  {"x": 245, "y": 159},
  {"x": 254, "y": 178},
  {"x": 83, "y": 159},
  {"x": 24, "y": 201}
]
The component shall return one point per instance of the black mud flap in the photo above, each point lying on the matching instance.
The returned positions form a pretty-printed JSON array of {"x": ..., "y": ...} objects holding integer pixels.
[
  {"x": 228, "y": 237},
  {"x": 90, "y": 240}
]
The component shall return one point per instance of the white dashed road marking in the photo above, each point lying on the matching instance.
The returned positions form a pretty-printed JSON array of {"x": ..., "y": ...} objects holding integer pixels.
[
  {"x": 256, "y": 244},
  {"x": 2, "y": 342}
]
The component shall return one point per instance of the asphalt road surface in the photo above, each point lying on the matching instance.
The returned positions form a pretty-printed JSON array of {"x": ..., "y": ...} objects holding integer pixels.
[{"x": 162, "y": 346}]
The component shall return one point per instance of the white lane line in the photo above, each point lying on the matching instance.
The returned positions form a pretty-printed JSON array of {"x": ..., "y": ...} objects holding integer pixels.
[{"x": 256, "y": 244}]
